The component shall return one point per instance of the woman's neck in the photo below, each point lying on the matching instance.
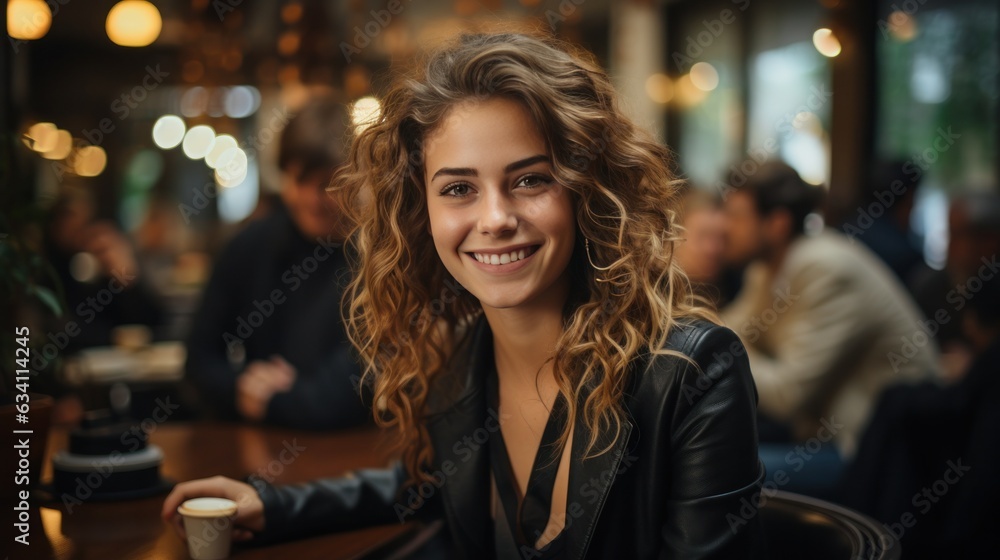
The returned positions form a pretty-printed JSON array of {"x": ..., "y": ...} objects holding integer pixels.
[{"x": 524, "y": 341}]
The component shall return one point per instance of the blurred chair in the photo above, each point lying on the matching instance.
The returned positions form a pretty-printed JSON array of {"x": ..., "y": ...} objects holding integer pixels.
[{"x": 797, "y": 526}]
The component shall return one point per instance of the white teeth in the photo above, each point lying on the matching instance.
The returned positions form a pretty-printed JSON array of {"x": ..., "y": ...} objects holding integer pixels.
[{"x": 505, "y": 258}]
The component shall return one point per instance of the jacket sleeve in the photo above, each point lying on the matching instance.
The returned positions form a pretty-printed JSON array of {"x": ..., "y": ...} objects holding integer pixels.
[
  {"x": 716, "y": 475},
  {"x": 360, "y": 499}
]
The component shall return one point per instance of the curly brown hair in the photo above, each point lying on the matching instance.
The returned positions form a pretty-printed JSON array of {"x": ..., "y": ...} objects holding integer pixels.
[{"x": 624, "y": 194}]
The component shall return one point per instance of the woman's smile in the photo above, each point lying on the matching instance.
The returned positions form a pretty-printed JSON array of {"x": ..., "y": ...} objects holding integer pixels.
[{"x": 503, "y": 226}]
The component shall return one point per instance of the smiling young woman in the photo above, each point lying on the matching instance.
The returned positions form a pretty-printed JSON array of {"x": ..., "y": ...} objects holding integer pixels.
[{"x": 572, "y": 399}]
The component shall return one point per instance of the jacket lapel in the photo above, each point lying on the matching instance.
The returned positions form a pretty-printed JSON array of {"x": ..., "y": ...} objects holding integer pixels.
[
  {"x": 590, "y": 481},
  {"x": 460, "y": 435}
]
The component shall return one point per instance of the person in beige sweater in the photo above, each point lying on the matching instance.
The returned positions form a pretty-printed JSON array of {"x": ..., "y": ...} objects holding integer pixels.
[{"x": 825, "y": 323}]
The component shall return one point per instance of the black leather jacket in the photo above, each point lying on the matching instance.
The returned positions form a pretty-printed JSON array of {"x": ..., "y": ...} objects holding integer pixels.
[{"x": 680, "y": 482}]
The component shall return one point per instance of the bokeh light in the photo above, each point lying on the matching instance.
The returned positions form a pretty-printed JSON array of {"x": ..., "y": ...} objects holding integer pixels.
[
  {"x": 660, "y": 88},
  {"x": 704, "y": 76},
  {"x": 198, "y": 141},
  {"x": 168, "y": 132},
  {"x": 365, "y": 112},
  {"x": 133, "y": 23},
  {"x": 62, "y": 147},
  {"x": 43, "y": 137},
  {"x": 826, "y": 42},
  {"x": 223, "y": 142},
  {"x": 90, "y": 161},
  {"x": 28, "y": 19}
]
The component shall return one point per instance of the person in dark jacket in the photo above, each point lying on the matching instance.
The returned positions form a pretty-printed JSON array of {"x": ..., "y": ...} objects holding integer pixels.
[
  {"x": 527, "y": 331},
  {"x": 268, "y": 343},
  {"x": 928, "y": 466}
]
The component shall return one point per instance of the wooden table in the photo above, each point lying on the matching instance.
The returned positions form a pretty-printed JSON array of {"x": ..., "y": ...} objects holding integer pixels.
[{"x": 133, "y": 529}]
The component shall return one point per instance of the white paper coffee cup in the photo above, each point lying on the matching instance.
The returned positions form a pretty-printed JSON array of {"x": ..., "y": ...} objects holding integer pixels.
[{"x": 208, "y": 523}]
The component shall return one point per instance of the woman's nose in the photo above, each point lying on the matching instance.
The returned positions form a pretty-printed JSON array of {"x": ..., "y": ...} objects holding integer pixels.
[{"x": 498, "y": 214}]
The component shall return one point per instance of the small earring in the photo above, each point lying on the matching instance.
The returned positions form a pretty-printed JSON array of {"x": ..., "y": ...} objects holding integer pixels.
[{"x": 586, "y": 247}]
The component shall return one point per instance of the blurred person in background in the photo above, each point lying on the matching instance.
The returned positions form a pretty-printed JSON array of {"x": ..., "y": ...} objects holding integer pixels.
[
  {"x": 892, "y": 190},
  {"x": 99, "y": 273},
  {"x": 826, "y": 324},
  {"x": 701, "y": 253},
  {"x": 928, "y": 466},
  {"x": 973, "y": 249},
  {"x": 103, "y": 284},
  {"x": 267, "y": 343}
]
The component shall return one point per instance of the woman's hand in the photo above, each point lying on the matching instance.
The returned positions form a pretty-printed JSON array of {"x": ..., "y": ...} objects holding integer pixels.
[{"x": 249, "y": 515}]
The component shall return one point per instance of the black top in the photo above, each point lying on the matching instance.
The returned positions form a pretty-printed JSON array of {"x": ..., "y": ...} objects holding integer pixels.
[
  {"x": 517, "y": 529},
  {"x": 274, "y": 292}
]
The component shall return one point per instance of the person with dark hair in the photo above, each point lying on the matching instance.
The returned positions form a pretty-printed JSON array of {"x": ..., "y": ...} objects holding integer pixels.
[
  {"x": 516, "y": 286},
  {"x": 928, "y": 466},
  {"x": 268, "y": 343},
  {"x": 892, "y": 190},
  {"x": 826, "y": 325}
]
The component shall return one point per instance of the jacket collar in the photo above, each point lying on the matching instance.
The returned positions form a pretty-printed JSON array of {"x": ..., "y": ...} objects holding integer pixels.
[{"x": 458, "y": 434}]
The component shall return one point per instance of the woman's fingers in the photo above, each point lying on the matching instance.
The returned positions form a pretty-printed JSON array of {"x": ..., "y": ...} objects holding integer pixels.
[{"x": 249, "y": 515}]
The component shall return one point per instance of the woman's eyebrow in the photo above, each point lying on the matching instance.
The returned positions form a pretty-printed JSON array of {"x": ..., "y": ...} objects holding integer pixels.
[
  {"x": 525, "y": 162},
  {"x": 470, "y": 172}
]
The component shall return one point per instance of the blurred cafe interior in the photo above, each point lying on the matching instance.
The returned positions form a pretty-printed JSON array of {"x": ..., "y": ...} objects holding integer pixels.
[{"x": 167, "y": 263}]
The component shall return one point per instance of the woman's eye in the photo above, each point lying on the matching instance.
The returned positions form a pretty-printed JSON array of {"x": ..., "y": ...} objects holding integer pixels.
[
  {"x": 456, "y": 190},
  {"x": 532, "y": 181}
]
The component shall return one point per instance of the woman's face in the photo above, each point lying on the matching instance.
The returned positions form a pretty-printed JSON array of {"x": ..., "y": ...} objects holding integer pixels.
[{"x": 502, "y": 226}]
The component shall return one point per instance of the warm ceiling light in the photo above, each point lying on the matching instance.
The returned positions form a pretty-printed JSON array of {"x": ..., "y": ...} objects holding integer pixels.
[
  {"x": 660, "y": 88},
  {"x": 63, "y": 146},
  {"x": 90, "y": 161},
  {"x": 28, "y": 19},
  {"x": 43, "y": 137},
  {"x": 826, "y": 42},
  {"x": 133, "y": 23},
  {"x": 704, "y": 76}
]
